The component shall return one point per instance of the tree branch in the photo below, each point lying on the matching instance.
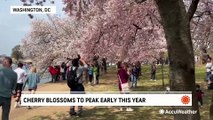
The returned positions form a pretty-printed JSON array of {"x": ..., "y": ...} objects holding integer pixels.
[
  {"x": 192, "y": 9},
  {"x": 139, "y": 1},
  {"x": 137, "y": 26}
]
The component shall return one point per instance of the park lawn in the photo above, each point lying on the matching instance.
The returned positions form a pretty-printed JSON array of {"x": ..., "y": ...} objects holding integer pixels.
[{"x": 108, "y": 83}]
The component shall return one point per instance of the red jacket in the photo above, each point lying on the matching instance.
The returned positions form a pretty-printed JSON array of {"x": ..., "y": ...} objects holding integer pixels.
[
  {"x": 199, "y": 94},
  {"x": 123, "y": 77},
  {"x": 58, "y": 70},
  {"x": 53, "y": 71}
]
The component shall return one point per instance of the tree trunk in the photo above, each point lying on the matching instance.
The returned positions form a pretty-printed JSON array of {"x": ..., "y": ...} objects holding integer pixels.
[
  {"x": 181, "y": 56},
  {"x": 211, "y": 109},
  {"x": 162, "y": 72}
]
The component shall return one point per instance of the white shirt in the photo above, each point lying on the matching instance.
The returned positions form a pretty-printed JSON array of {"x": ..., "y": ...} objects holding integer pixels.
[
  {"x": 208, "y": 67},
  {"x": 22, "y": 75},
  {"x": 212, "y": 69},
  {"x": 61, "y": 70}
]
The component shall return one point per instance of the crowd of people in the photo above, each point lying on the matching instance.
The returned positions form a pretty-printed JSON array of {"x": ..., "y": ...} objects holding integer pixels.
[
  {"x": 26, "y": 76},
  {"x": 75, "y": 72},
  {"x": 12, "y": 82},
  {"x": 91, "y": 74}
]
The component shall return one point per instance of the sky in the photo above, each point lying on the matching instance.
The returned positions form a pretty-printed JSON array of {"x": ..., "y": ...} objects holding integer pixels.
[{"x": 13, "y": 27}]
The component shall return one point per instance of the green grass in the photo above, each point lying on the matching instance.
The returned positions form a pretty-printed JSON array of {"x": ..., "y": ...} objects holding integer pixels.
[{"x": 108, "y": 83}]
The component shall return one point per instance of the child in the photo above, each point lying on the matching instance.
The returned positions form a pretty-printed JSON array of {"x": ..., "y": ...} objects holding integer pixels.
[
  {"x": 90, "y": 73},
  {"x": 199, "y": 94}
]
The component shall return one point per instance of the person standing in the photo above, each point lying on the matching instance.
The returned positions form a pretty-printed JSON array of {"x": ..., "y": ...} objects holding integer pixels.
[
  {"x": 90, "y": 73},
  {"x": 139, "y": 68},
  {"x": 98, "y": 72},
  {"x": 50, "y": 71},
  {"x": 8, "y": 81},
  {"x": 123, "y": 77},
  {"x": 32, "y": 80},
  {"x": 208, "y": 68},
  {"x": 68, "y": 68},
  {"x": 53, "y": 73},
  {"x": 104, "y": 64},
  {"x": 58, "y": 73},
  {"x": 134, "y": 76},
  {"x": 22, "y": 75},
  {"x": 75, "y": 82},
  {"x": 153, "y": 71},
  {"x": 199, "y": 94},
  {"x": 63, "y": 70},
  {"x": 86, "y": 75},
  {"x": 95, "y": 73},
  {"x": 210, "y": 79}
]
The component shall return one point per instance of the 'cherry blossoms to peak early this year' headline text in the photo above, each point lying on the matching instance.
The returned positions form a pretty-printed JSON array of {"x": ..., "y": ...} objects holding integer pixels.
[{"x": 106, "y": 99}]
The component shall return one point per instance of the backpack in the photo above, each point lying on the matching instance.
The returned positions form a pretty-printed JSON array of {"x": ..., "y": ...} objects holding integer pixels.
[{"x": 72, "y": 79}]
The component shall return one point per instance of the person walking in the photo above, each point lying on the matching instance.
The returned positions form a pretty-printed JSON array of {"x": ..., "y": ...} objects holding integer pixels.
[
  {"x": 32, "y": 81},
  {"x": 75, "y": 82},
  {"x": 22, "y": 75},
  {"x": 199, "y": 94},
  {"x": 8, "y": 81}
]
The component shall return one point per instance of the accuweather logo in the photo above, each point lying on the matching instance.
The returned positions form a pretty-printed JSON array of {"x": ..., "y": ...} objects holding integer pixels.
[
  {"x": 185, "y": 99},
  {"x": 33, "y": 9},
  {"x": 177, "y": 111}
]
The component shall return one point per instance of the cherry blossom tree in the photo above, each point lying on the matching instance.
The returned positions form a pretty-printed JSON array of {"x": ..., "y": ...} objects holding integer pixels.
[
  {"x": 202, "y": 28},
  {"x": 48, "y": 41},
  {"x": 108, "y": 34},
  {"x": 121, "y": 29},
  {"x": 175, "y": 17},
  {"x": 129, "y": 30}
]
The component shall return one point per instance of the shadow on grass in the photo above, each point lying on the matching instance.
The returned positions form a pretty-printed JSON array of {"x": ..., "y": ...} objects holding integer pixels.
[
  {"x": 107, "y": 82},
  {"x": 150, "y": 88},
  {"x": 100, "y": 113},
  {"x": 41, "y": 118}
]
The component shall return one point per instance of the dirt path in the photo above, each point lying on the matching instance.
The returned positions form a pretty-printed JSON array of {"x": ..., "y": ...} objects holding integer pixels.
[
  {"x": 107, "y": 83},
  {"x": 23, "y": 113}
]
